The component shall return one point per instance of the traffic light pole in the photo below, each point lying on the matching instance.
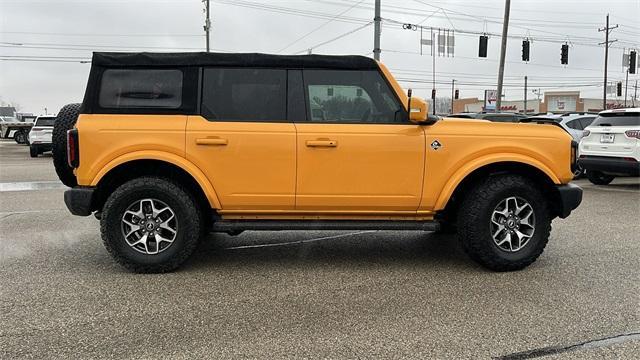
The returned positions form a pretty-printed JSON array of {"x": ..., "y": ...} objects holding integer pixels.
[
  {"x": 453, "y": 85},
  {"x": 606, "y": 43},
  {"x": 503, "y": 50},
  {"x": 525, "y": 95}
]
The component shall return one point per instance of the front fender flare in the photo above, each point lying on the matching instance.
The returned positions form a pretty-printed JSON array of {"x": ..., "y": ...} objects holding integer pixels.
[{"x": 480, "y": 162}]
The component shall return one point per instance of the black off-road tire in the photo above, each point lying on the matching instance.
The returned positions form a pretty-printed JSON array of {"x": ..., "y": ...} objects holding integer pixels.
[
  {"x": 599, "y": 178},
  {"x": 65, "y": 121},
  {"x": 474, "y": 222},
  {"x": 33, "y": 151},
  {"x": 189, "y": 229}
]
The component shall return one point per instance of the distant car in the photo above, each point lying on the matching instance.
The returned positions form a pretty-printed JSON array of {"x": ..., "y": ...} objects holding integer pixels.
[
  {"x": 611, "y": 146},
  {"x": 496, "y": 117},
  {"x": 12, "y": 128},
  {"x": 40, "y": 135}
]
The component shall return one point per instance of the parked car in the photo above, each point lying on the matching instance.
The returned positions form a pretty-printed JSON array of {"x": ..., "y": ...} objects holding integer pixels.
[
  {"x": 40, "y": 135},
  {"x": 167, "y": 147},
  {"x": 497, "y": 117},
  {"x": 610, "y": 146},
  {"x": 574, "y": 124},
  {"x": 12, "y": 128}
]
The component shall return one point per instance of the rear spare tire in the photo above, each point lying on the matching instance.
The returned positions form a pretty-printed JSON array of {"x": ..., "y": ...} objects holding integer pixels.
[{"x": 65, "y": 121}]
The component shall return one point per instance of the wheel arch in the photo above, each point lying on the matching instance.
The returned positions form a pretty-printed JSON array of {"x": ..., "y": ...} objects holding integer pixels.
[
  {"x": 130, "y": 166},
  {"x": 459, "y": 185}
]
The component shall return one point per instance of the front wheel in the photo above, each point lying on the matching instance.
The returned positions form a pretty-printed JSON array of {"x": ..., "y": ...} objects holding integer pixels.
[
  {"x": 151, "y": 225},
  {"x": 33, "y": 151},
  {"x": 599, "y": 178},
  {"x": 504, "y": 223}
]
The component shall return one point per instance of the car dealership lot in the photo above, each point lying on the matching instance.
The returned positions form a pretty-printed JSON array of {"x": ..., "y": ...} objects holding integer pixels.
[{"x": 311, "y": 294}]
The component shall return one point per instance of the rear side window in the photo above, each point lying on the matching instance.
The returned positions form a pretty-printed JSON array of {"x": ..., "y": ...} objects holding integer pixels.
[
  {"x": 575, "y": 124},
  {"x": 47, "y": 121},
  {"x": 244, "y": 94},
  {"x": 141, "y": 88},
  {"x": 618, "y": 119},
  {"x": 586, "y": 121}
]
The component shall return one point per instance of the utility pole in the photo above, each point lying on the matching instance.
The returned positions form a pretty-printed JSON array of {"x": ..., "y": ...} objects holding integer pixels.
[
  {"x": 607, "y": 30},
  {"x": 433, "y": 74},
  {"x": 376, "y": 31},
  {"x": 453, "y": 85},
  {"x": 207, "y": 24},
  {"x": 503, "y": 51},
  {"x": 525, "y": 95},
  {"x": 626, "y": 83}
]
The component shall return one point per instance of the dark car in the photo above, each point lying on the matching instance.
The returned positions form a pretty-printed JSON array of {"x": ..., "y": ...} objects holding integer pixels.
[{"x": 497, "y": 117}]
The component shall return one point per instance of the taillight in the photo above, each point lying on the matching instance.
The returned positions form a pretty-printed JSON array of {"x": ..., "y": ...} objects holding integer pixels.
[
  {"x": 586, "y": 133},
  {"x": 73, "y": 154},
  {"x": 574, "y": 156},
  {"x": 633, "y": 134}
]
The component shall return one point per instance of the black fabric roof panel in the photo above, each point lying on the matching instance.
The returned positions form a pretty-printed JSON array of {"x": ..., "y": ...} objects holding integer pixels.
[{"x": 147, "y": 59}]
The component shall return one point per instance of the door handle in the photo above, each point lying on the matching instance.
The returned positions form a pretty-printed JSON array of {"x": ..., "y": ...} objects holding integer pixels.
[
  {"x": 211, "y": 141},
  {"x": 322, "y": 143}
]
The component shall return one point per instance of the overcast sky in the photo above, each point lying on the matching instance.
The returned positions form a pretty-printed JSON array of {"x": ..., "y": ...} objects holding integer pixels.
[{"x": 42, "y": 43}]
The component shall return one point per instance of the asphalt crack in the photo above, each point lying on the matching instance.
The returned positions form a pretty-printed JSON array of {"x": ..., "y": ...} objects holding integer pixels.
[{"x": 590, "y": 344}]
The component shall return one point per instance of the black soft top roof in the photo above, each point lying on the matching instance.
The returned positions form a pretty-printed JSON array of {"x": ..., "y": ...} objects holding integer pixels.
[{"x": 147, "y": 59}]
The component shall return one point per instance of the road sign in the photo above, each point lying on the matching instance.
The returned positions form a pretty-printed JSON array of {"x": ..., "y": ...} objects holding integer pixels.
[{"x": 490, "y": 98}]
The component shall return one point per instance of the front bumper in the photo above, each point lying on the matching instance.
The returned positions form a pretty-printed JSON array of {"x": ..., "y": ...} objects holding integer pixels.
[
  {"x": 79, "y": 200},
  {"x": 570, "y": 198},
  {"x": 609, "y": 164}
]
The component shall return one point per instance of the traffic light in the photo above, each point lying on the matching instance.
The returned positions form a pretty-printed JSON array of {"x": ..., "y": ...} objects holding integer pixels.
[
  {"x": 564, "y": 54},
  {"x": 484, "y": 40},
  {"x": 457, "y": 94},
  {"x": 632, "y": 62},
  {"x": 525, "y": 50},
  {"x": 619, "y": 88}
]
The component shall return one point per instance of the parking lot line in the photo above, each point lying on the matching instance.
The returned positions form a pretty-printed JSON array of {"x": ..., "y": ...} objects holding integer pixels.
[{"x": 31, "y": 186}]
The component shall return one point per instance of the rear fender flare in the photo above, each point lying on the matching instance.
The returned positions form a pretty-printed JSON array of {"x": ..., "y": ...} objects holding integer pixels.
[{"x": 170, "y": 158}]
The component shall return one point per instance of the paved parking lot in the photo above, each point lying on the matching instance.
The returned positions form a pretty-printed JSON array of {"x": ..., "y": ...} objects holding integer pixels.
[{"x": 312, "y": 294}]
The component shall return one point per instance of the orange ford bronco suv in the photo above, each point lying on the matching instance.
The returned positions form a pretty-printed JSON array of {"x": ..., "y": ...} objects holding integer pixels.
[{"x": 168, "y": 147}]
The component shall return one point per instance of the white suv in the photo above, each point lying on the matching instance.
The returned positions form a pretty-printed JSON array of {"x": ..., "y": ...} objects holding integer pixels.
[
  {"x": 40, "y": 135},
  {"x": 610, "y": 146}
]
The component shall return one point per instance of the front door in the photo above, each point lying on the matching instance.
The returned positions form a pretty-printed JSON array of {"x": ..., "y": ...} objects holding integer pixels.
[
  {"x": 242, "y": 140},
  {"x": 356, "y": 149}
]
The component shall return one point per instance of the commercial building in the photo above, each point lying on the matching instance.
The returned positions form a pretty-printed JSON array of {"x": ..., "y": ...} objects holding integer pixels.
[{"x": 554, "y": 102}]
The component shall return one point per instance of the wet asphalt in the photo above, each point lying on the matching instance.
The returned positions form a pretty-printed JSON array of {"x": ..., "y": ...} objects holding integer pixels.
[{"x": 373, "y": 294}]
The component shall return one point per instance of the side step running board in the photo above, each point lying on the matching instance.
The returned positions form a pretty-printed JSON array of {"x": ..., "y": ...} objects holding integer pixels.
[{"x": 274, "y": 225}]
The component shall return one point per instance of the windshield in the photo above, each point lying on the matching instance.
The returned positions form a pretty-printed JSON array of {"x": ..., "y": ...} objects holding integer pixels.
[
  {"x": 45, "y": 121},
  {"x": 618, "y": 119}
]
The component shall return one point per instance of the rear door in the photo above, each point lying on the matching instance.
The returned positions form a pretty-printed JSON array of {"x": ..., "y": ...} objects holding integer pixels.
[
  {"x": 356, "y": 149},
  {"x": 607, "y": 134},
  {"x": 243, "y": 141}
]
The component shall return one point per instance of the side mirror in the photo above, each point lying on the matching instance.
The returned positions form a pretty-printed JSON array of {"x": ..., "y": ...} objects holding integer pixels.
[{"x": 418, "y": 109}]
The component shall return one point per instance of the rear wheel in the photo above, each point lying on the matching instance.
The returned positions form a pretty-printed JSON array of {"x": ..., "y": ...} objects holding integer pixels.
[
  {"x": 504, "y": 223},
  {"x": 151, "y": 225},
  {"x": 599, "y": 178},
  {"x": 33, "y": 151},
  {"x": 20, "y": 137}
]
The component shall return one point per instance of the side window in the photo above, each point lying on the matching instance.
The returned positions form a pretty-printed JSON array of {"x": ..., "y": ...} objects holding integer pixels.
[
  {"x": 244, "y": 94},
  {"x": 586, "y": 121},
  {"x": 350, "y": 96},
  {"x": 141, "y": 88},
  {"x": 574, "y": 124},
  {"x": 501, "y": 118}
]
